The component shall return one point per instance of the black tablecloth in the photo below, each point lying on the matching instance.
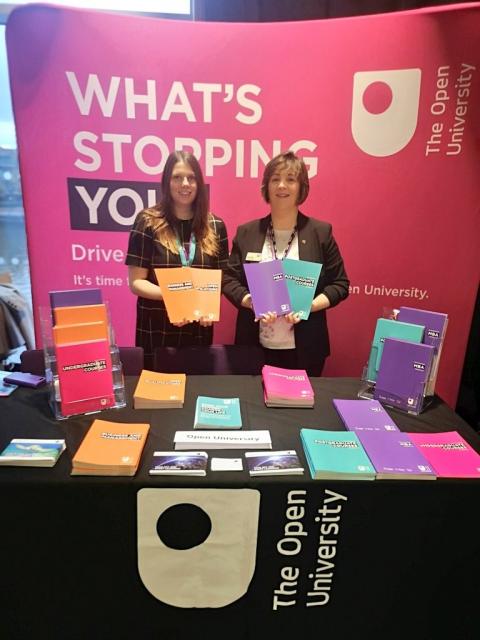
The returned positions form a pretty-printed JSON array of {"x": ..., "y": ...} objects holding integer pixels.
[{"x": 406, "y": 562}]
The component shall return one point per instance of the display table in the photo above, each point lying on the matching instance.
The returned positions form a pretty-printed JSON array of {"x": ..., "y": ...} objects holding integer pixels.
[{"x": 405, "y": 562}]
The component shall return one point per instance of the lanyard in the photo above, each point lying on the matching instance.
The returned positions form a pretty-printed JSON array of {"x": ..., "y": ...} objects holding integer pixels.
[
  {"x": 186, "y": 260},
  {"x": 271, "y": 234}
]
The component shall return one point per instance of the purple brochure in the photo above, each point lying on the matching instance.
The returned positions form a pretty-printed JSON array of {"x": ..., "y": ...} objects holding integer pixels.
[
  {"x": 435, "y": 323},
  {"x": 403, "y": 374},
  {"x": 268, "y": 287},
  {"x": 365, "y": 415},
  {"x": 394, "y": 455},
  {"x": 75, "y": 297}
]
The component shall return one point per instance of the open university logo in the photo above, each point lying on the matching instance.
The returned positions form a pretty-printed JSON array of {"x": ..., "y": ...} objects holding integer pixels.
[
  {"x": 385, "y": 110},
  {"x": 215, "y": 568}
]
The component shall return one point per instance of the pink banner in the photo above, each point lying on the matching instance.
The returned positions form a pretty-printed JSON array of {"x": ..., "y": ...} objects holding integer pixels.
[{"x": 384, "y": 109}]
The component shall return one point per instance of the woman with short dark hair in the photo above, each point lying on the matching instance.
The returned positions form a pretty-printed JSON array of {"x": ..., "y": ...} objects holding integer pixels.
[{"x": 288, "y": 341}]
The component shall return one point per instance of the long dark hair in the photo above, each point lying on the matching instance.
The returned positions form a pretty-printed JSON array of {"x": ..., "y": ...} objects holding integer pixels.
[{"x": 163, "y": 217}]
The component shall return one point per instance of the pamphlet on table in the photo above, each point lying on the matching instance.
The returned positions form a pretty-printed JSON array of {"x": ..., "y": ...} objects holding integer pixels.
[
  {"x": 266, "y": 463},
  {"x": 110, "y": 449},
  {"x": 217, "y": 413},
  {"x": 27, "y": 452},
  {"x": 185, "y": 463}
]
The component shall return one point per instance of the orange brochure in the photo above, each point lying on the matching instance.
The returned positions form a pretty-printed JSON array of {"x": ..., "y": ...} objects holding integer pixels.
[
  {"x": 190, "y": 293},
  {"x": 83, "y": 332},
  {"x": 177, "y": 291},
  {"x": 208, "y": 286},
  {"x": 110, "y": 448},
  {"x": 80, "y": 314},
  {"x": 156, "y": 390}
]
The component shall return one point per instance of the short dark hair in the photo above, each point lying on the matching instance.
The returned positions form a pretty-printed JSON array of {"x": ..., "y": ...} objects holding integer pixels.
[{"x": 289, "y": 160}]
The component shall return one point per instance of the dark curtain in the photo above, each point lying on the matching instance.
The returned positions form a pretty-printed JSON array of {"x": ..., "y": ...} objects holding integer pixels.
[{"x": 284, "y": 10}]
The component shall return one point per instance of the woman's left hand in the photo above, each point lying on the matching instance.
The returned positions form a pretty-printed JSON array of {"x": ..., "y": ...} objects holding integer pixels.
[
  {"x": 292, "y": 318},
  {"x": 205, "y": 321}
]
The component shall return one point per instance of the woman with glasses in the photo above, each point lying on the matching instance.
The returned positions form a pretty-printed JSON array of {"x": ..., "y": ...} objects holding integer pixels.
[
  {"x": 288, "y": 341},
  {"x": 178, "y": 231}
]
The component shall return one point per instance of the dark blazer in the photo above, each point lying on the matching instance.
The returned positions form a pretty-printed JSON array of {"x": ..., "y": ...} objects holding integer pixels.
[{"x": 315, "y": 244}]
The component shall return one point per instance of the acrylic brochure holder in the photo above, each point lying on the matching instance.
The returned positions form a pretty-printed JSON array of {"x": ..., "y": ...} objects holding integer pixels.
[
  {"x": 368, "y": 378},
  {"x": 413, "y": 403},
  {"x": 89, "y": 380}
]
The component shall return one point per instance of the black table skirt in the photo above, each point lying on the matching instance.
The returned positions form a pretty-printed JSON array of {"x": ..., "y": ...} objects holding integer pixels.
[{"x": 406, "y": 562}]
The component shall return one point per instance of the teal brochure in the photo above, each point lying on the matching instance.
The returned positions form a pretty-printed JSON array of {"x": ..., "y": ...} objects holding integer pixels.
[
  {"x": 302, "y": 278},
  {"x": 336, "y": 455},
  {"x": 217, "y": 413},
  {"x": 390, "y": 329}
]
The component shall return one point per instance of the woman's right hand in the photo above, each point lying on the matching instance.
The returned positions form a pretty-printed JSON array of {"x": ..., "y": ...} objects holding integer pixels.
[{"x": 267, "y": 318}]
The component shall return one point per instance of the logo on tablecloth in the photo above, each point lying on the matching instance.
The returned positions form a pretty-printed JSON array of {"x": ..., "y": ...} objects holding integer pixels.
[{"x": 197, "y": 547}]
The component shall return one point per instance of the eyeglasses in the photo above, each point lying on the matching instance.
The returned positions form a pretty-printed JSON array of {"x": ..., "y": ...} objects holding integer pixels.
[{"x": 179, "y": 179}]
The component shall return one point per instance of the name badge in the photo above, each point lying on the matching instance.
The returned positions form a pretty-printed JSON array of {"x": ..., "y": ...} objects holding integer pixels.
[{"x": 253, "y": 257}]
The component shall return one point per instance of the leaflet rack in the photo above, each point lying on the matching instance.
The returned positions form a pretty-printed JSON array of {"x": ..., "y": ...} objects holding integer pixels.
[
  {"x": 87, "y": 370},
  {"x": 432, "y": 336}
]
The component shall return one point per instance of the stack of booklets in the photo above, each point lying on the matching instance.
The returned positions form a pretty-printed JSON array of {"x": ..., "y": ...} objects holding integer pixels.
[
  {"x": 387, "y": 328},
  {"x": 394, "y": 456},
  {"x": 217, "y": 413},
  {"x": 336, "y": 455},
  {"x": 449, "y": 454},
  {"x": 222, "y": 440},
  {"x": 365, "y": 415},
  {"x": 156, "y": 390},
  {"x": 403, "y": 374},
  {"x": 273, "y": 463},
  {"x": 435, "y": 324},
  {"x": 174, "y": 463},
  {"x": 81, "y": 335},
  {"x": 110, "y": 449},
  {"x": 25, "y": 452},
  {"x": 282, "y": 286},
  {"x": 287, "y": 387},
  {"x": 190, "y": 293}
]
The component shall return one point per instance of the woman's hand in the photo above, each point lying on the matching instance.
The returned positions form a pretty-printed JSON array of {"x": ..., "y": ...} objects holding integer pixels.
[
  {"x": 140, "y": 286},
  {"x": 292, "y": 318},
  {"x": 267, "y": 318},
  {"x": 247, "y": 301},
  {"x": 205, "y": 321},
  {"x": 182, "y": 323},
  {"x": 319, "y": 303}
]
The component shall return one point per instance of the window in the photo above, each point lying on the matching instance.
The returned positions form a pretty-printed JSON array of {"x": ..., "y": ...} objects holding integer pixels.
[{"x": 14, "y": 265}]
